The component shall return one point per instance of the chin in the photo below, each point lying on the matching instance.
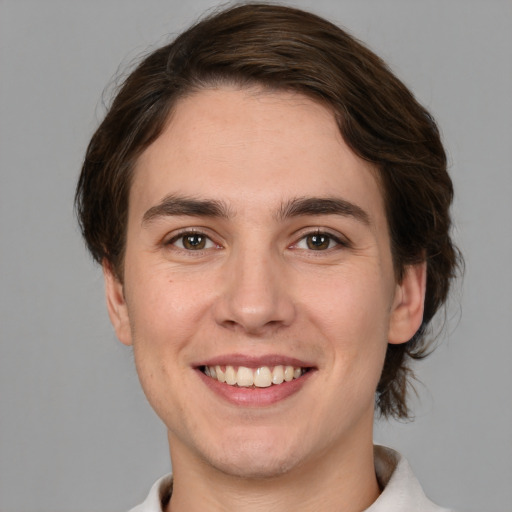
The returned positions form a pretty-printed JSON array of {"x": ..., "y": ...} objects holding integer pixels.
[
  {"x": 260, "y": 467},
  {"x": 255, "y": 459}
]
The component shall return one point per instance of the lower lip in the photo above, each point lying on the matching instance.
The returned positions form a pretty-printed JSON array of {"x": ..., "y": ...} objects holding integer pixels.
[{"x": 255, "y": 397}]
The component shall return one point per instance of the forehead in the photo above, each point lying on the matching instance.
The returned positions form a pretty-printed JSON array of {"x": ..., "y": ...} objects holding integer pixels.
[{"x": 252, "y": 148}]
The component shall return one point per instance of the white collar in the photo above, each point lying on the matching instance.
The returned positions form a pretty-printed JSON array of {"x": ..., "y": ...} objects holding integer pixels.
[{"x": 401, "y": 490}]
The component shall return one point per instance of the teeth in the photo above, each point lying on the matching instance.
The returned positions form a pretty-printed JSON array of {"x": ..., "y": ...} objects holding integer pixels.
[
  {"x": 262, "y": 377},
  {"x": 288, "y": 373},
  {"x": 278, "y": 375},
  {"x": 230, "y": 375},
  {"x": 220, "y": 375},
  {"x": 244, "y": 377}
]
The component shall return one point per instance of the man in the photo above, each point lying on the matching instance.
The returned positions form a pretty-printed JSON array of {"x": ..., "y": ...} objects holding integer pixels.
[{"x": 270, "y": 206}]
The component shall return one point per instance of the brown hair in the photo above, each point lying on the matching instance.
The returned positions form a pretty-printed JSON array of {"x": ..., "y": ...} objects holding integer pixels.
[{"x": 288, "y": 49}]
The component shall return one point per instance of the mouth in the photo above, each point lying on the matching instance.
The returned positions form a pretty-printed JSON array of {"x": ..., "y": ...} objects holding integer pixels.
[{"x": 260, "y": 377}]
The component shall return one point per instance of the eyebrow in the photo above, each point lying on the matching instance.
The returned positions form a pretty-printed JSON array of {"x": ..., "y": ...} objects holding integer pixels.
[
  {"x": 173, "y": 205},
  {"x": 323, "y": 206},
  {"x": 186, "y": 206}
]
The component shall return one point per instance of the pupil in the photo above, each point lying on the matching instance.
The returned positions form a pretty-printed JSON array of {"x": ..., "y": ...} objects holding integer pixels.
[
  {"x": 318, "y": 242},
  {"x": 194, "y": 242}
]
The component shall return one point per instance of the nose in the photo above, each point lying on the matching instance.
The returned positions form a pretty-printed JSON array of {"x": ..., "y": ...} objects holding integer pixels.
[{"x": 256, "y": 296}]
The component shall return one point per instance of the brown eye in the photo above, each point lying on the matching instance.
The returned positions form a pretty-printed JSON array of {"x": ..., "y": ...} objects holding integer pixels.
[
  {"x": 318, "y": 241},
  {"x": 194, "y": 241}
]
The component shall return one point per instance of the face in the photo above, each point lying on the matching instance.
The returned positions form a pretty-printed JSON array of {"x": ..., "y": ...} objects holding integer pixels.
[{"x": 258, "y": 254}]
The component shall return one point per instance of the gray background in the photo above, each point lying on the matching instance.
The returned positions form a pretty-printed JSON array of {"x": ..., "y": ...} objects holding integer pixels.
[{"x": 75, "y": 431}]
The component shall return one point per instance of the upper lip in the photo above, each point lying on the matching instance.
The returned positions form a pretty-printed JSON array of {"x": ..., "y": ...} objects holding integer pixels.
[{"x": 251, "y": 361}]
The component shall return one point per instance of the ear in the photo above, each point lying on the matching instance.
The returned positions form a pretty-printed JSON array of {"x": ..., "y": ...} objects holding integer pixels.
[
  {"x": 116, "y": 305},
  {"x": 407, "y": 313}
]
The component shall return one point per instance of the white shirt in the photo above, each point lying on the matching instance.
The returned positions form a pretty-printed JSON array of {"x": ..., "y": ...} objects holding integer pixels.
[{"x": 401, "y": 490}]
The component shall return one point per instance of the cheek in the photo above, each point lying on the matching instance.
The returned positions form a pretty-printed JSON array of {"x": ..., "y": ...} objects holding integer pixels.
[
  {"x": 164, "y": 319},
  {"x": 352, "y": 314},
  {"x": 164, "y": 307},
  {"x": 351, "y": 306}
]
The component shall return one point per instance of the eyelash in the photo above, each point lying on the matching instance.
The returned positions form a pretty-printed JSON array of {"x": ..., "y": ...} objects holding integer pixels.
[
  {"x": 322, "y": 234},
  {"x": 331, "y": 238},
  {"x": 190, "y": 233}
]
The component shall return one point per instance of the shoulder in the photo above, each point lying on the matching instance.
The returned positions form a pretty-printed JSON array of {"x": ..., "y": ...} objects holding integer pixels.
[
  {"x": 401, "y": 491},
  {"x": 159, "y": 494}
]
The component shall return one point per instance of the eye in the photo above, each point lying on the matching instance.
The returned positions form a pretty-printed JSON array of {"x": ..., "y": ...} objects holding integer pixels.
[
  {"x": 192, "y": 241},
  {"x": 318, "y": 241}
]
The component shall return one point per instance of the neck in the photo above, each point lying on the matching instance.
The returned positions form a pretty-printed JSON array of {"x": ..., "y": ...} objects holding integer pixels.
[{"x": 342, "y": 479}]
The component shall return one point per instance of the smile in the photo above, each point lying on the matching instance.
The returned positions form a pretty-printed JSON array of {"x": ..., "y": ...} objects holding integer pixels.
[{"x": 261, "y": 377}]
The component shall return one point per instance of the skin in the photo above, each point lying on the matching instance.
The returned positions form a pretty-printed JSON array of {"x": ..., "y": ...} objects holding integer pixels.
[{"x": 257, "y": 289}]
